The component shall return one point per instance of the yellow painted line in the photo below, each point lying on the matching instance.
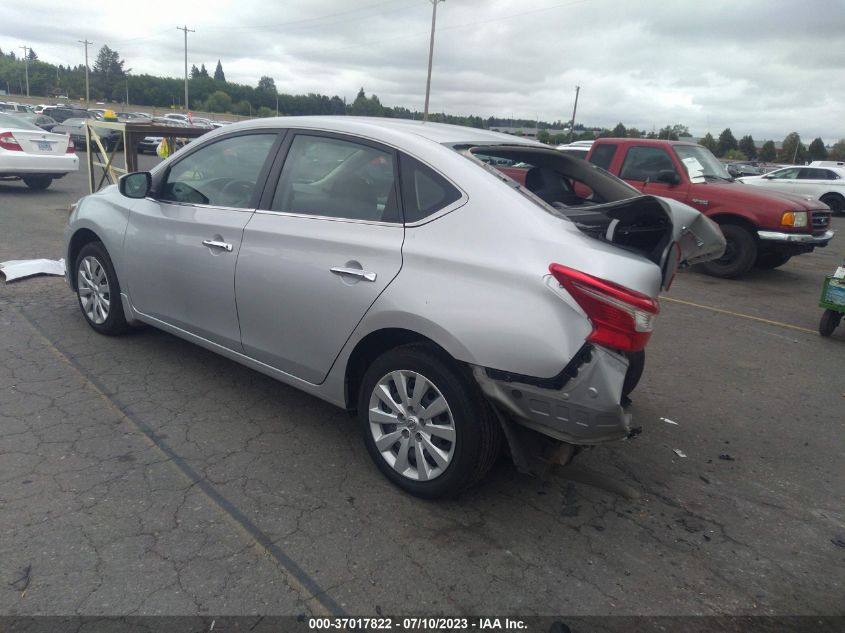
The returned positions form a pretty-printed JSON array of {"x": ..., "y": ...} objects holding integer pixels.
[{"x": 739, "y": 314}]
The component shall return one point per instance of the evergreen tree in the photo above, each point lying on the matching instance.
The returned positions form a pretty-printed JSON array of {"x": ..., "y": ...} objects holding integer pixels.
[
  {"x": 32, "y": 55},
  {"x": 837, "y": 152},
  {"x": 747, "y": 147},
  {"x": 619, "y": 131},
  {"x": 725, "y": 143},
  {"x": 195, "y": 72},
  {"x": 709, "y": 142},
  {"x": 203, "y": 71},
  {"x": 817, "y": 150},
  {"x": 768, "y": 152},
  {"x": 792, "y": 150},
  {"x": 218, "y": 72}
]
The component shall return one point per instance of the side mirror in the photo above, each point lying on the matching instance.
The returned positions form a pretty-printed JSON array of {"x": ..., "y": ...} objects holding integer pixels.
[
  {"x": 135, "y": 185},
  {"x": 669, "y": 176}
]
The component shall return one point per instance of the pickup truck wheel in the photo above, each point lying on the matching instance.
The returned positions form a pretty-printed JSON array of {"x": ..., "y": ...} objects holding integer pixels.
[
  {"x": 771, "y": 260},
  {"x": 425, "y": 422},
  {"x": 835, "y": 202},
  {"x": 740, "y": 254},
  {"x": 830, "y": 321}
]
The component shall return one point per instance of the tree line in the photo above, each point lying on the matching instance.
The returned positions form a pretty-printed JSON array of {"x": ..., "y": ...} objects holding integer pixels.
[{"x": 110, "y": 80}]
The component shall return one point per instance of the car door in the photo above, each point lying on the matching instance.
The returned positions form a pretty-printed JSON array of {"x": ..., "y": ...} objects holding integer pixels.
[
  {"x": 318, "y": 252},
  {"x": 783, "y": 179},
  {"x": 813, "y": 182},
  {"x": 182, "y": 243},
  {"x": 642, "y": 166}
]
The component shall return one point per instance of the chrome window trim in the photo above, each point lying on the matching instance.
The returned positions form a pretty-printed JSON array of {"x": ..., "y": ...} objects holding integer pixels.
[{"x": 311, "y": 216}]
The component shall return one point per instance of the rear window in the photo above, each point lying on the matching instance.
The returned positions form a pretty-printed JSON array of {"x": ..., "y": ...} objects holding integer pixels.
[
  {"x": 603, "y": 155},
  {"x": 424, "y": 191}
]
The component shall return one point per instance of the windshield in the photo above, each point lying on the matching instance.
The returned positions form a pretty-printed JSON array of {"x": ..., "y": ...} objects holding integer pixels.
[{"x": 700, "y": 163}]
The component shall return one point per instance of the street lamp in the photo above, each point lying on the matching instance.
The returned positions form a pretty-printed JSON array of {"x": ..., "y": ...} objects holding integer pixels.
[
  {"x": 430, "y": 55},
  {"x": 128, "y": 70}
]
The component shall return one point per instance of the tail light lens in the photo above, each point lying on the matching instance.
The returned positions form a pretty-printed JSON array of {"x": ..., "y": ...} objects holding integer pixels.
[
  {"x": 622, "y": 318},
  {"x": 71, "y": 148},
  {"x": 8, "y": 141}
]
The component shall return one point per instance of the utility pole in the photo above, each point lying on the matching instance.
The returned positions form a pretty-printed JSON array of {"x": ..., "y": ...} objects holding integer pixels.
[
  {"x": 87, "y": 91},
  {"x": 574, "y": 109},
  {"x": 26, "y": 66},
  {"x": 430, "y": 55},
  {"x": 128, "y": 70},
  {"x": 186, "y": 30}
]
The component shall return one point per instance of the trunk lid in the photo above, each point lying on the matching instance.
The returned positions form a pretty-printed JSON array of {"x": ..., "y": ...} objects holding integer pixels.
[{"x": 43, "y": 143}]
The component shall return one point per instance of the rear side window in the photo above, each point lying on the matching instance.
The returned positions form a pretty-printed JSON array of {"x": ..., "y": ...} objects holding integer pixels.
[
  {"x": 424, "y": 191},
  {"x": 603, "y": 155}
]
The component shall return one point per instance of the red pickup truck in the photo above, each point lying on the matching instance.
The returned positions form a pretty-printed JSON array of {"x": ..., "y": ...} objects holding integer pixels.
[{"x": 761, "y": 228}]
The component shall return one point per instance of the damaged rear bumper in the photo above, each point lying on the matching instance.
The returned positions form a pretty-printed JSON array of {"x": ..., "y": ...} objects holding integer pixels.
[{"x": 580, "y": 407}]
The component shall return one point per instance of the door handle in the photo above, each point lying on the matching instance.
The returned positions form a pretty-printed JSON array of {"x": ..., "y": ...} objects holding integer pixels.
[
  {"x": 223, "y": 246},
  {"x": 354, "y": 272}
]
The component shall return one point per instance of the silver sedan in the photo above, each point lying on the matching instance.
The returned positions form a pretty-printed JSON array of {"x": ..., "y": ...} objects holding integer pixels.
[{"x": 392, "y": 268}]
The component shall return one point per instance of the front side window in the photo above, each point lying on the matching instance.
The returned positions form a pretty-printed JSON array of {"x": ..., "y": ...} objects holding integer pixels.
[
  {"x": 222, "y": 174},
  {"x": 645, "y": 163},
  {"x": 336, "y": 178},
  {"x": 785, "y": 174},
  {"x": 603, "y": 155}
]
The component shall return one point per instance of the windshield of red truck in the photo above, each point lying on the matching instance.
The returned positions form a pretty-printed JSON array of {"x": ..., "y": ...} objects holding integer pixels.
[{"x": 700, "y": 163}]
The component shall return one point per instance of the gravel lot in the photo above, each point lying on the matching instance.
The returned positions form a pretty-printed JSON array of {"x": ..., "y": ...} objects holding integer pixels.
[{"x": 144, "y": 475}]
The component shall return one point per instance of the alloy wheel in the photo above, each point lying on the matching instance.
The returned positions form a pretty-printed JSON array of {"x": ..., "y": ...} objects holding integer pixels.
[
  {"x": 412, "y": 425},
  {"x": 94, "y": 292}
]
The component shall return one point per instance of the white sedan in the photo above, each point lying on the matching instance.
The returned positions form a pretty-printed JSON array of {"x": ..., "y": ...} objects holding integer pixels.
[
  {"x": 823, "y": 183},
  {"x": 30, "y": 154}
]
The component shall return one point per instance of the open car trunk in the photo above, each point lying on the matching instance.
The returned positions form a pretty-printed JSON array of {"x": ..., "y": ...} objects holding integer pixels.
[{"x": 668, "y": 233}]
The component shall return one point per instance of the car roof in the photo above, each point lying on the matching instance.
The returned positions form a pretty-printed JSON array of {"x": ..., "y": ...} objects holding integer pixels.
[
  {"x": 646, "y": 141},
  {"x": 392, "y": 130}
]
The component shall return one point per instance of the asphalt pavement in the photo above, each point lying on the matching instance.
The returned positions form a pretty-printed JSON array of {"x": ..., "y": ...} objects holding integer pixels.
[{"x": 145, "y": 475}]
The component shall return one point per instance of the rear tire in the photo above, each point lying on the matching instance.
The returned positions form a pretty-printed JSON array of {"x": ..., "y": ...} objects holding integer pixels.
[
  {"x": 98, "y": 290},
  {"x": 830, "y": 321},
  {"x": 636, "y": 365},
  {"x": 739, "y": 257},
  {"x": 835, "y": 202},
  {"x": 455, "y": 447},
  {"x": 771, "y": 260},
  {"x": 38, "y": 183}
]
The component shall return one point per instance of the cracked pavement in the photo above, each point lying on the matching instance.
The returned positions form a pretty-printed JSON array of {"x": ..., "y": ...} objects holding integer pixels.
[{"x": 143, "y": 475}]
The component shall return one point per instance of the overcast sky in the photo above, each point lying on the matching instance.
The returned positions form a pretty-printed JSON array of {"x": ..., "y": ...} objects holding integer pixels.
[{"x": 760, "y": 67}]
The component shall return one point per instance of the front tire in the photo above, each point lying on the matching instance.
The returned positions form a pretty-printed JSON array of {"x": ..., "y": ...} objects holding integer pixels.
[
  {"x": 98, "y": 290},
  {"x": 38, "y": 183},
  {"x": 739, "y": 257},
  {"x": 425, "y": 422}
]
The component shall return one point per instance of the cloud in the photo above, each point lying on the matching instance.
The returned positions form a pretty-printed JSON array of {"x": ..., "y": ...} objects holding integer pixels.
[{"x": 764, "y": 67}]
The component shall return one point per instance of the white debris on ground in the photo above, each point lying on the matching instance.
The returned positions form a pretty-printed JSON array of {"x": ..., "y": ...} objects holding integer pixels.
[
  {"x": 20, "y": 268},
  {"x": 679, "y": 452},
  {"x": 668, "y": 421}
]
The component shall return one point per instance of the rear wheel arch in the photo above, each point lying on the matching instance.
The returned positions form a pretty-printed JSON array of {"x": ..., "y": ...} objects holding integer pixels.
[
  {"x": 373, "y": 345},
  {"x": 79, "y": 239},
  {"x": 836, "y": 202}
]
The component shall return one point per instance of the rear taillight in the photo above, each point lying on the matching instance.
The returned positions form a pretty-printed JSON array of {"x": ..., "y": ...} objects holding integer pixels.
[
  {"x": 7, "y": 141},
  {"x": 71, "y": 148},
  {"x": 622, "y": 318}
]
